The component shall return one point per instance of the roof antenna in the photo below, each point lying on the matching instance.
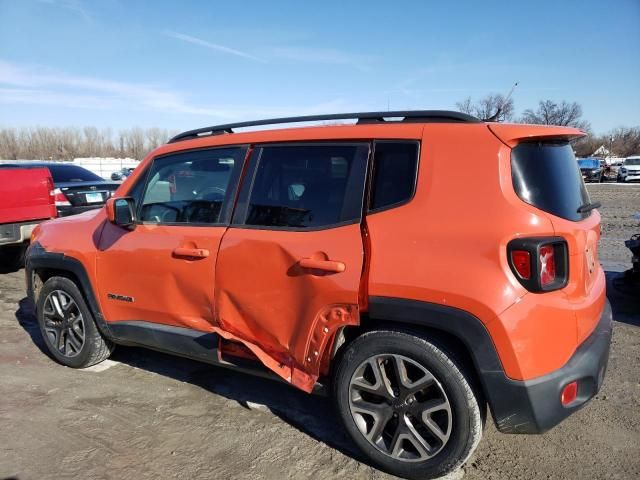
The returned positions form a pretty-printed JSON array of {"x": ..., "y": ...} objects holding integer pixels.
[{"x": 496, "y": 115}]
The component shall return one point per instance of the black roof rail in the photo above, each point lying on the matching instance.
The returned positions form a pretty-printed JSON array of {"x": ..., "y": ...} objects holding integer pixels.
[{"x": 410, "y": 116}]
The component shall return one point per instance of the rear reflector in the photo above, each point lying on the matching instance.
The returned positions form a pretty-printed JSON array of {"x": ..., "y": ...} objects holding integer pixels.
[
  {"x": 569, "y": 393},
  {"x": 547, "y": 265},
  {"x": 521, "y": 260},
  {"x": 60, "y": 198}
]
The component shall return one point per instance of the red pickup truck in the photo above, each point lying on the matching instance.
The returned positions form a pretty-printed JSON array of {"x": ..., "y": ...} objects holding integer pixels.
[{"x": 26, "y": 199}]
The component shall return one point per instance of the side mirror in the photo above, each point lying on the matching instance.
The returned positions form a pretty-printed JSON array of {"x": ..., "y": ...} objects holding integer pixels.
[{"x": 121, "y": 212}]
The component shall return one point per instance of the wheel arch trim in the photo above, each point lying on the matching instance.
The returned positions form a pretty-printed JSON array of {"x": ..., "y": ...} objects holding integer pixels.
[
  {"x": 38, "y": 258},
  {"x": 509, "y": 404}
]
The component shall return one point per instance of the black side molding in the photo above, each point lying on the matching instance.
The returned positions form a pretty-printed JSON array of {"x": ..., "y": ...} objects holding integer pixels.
[{"x": 184, "y": 342}]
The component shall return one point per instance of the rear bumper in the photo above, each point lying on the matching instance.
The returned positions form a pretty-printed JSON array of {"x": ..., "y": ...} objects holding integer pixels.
[
  {"x": 11, "y": 233},
  {"x": 534, "y": 406}
]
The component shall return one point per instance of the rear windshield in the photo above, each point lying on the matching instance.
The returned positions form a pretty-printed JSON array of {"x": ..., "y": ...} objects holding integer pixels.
[
  {"x": 588, "y": 163},
  {"x": 546, "y": 175},
  {"x": 71, "y": 173}
]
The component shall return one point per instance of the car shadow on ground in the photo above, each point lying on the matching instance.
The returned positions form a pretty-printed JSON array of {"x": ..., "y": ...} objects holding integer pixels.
[
  {"x": 624, "y": 298},
  {"x": 310, "y": 414}
]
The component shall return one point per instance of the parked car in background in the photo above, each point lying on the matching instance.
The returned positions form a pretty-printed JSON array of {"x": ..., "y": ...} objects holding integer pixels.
[
  {"x": 76, "y": 189},
  {"x": 629, "y": 171},
  {"x": 591, "y": 169},
  {"x": 122, "y": 174},
  {"x": 329, "y": 256},
  {"x": 26, "y": 199}
]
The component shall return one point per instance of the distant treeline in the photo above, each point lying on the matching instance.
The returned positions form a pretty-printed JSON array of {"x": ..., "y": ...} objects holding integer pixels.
[{"x": 45, "y": 143}]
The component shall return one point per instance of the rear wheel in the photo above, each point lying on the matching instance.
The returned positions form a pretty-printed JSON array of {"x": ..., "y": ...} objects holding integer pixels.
[
  {"x": 67, "y": 325},
  {"x": 407, "y": 404}
]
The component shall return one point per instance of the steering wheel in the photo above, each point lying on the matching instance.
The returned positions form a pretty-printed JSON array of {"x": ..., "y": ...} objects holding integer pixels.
[{"x": 211, "y": 194}]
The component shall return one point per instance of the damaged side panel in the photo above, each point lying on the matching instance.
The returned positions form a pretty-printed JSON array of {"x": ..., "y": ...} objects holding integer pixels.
[{"x": 284, "y": 312}]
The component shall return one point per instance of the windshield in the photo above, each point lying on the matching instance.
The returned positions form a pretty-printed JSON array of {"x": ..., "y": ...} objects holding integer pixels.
[
  {"x": 71, "y": 173},
  {"x": 632, "y": 161},
  {"x": 588, "y": 163},
  {"x": 547, "y": 176}
]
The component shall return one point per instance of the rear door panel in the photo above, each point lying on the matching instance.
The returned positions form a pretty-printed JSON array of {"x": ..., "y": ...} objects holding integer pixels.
[
  {"x": 265, "y": 296},
  {"x": 298, "y": 217}
]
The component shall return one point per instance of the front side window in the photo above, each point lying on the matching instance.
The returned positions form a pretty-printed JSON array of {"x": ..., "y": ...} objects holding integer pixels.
[
  {"x": 307, "y": 186},
  {"x": 395, "y": 165},
  {"x": 191, "y": 187}
]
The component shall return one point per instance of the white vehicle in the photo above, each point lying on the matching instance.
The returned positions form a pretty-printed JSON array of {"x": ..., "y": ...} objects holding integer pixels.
[{"x": 630, "y": 169}]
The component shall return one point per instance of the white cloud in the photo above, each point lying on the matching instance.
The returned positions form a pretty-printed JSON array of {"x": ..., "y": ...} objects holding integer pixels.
[
  {"x": 75, "y": 6},
  {"x": 212, "y": 46},
  {"x": 35, "y": 85},
  {"x": 69, "y": 86},
  {"x": 326, "y": 56}
]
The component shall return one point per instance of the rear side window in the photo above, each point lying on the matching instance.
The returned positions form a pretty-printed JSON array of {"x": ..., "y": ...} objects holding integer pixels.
[
  {"x": 307, "y": 186},
  {"x": 395, "y": 165},
  {"x": 547, "y": 176},
  {"x": 191, "y": 187},
  {"x": 72, "y": 173}
]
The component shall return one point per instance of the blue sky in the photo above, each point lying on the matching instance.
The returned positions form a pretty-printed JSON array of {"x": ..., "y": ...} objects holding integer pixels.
[{"x": 181, "y": 64}]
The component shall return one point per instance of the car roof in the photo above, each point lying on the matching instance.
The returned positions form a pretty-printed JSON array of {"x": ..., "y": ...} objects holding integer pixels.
[{"x": 30, "y": 163}]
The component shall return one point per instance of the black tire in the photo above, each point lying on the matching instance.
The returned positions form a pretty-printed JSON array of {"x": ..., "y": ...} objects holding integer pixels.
[
  {"x": 94, "y": 347},
  {"x": 12, "y": 257},
  {"x": 465, "y": 412}
]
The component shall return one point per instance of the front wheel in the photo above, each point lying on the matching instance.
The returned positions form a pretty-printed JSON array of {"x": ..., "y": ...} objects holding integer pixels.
[
  {"x": 67, "y": 325},
  {"x": 407, "y": 404}
]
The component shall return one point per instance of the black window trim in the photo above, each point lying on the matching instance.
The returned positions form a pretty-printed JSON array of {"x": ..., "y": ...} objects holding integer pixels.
[
  {"x": 559, "y": 142},
  {"x": 372, "y": 211},
  {"x": 228, "y": 203},
  {"x": 242, "y": 204}
]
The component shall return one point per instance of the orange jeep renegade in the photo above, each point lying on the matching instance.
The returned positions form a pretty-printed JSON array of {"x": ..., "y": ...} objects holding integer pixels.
[{"x": 352, "y": 257}]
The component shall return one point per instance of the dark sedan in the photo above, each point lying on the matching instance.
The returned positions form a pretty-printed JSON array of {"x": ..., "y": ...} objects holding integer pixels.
[{"x": 76, "y": 189}]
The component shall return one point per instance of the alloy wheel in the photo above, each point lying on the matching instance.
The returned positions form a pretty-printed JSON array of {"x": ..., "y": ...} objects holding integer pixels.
[
  {"x": 400, "y": 407},
  {"x": 63, "y": 323}
]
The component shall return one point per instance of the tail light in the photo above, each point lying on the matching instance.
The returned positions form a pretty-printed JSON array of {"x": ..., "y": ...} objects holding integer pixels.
[
  {"x": 540, "y": 264},
  {"x": 52, "y": 190},
  {"x": 547, "y": 265},
  {"x": 60, "y": 199}
]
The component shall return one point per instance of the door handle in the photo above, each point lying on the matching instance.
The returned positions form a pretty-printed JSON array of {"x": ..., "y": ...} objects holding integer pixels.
[
  {"x": 326, "y": 265},
  {"x": 191, "y": 252}
]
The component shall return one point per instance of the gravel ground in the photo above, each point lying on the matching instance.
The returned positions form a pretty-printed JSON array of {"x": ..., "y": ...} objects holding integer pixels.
[{"x": 147, "y": 415}]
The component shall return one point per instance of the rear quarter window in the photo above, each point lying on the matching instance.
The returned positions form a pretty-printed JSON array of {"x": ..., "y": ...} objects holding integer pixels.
[
  {"x": 72, "y": 173},
  {"x": 395, "y": 164},
  {"x": 547, "y": 176}
]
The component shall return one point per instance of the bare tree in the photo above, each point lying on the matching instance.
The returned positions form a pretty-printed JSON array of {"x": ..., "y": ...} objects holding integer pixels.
[
  {"x": 624, "y": 141},
  {"x": 156, "y": 137},
  {"x": 9, "y": 144},
  {"x": 488, "y": 106},
  {"x": 45, "y": 143},
  {"x": 566, "y": 114}
]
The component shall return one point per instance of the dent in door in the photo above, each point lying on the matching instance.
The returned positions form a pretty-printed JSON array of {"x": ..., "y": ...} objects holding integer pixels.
[{"x": 285, "y": 314}]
